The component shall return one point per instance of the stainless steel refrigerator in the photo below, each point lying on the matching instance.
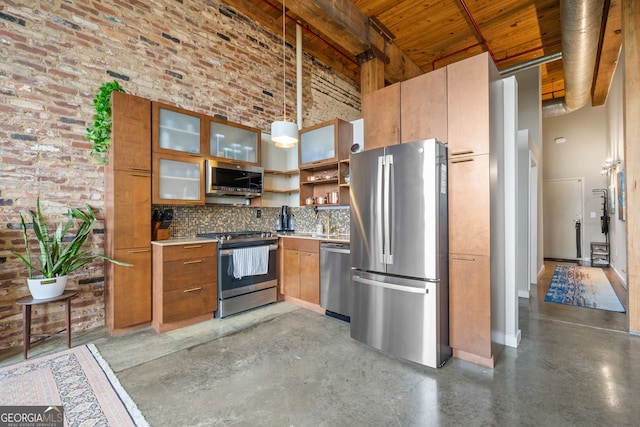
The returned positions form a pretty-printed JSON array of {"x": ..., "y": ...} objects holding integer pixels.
[{"x": 399, "y": 251}]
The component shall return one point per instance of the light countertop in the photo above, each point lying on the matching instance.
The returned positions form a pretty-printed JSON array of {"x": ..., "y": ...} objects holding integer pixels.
[
  {"x": 338, "y": 238},
  {"x": 183, "y": 241}
]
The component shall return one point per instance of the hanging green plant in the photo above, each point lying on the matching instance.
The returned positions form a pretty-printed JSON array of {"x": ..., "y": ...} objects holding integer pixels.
[{"x": 100, "y": 132}]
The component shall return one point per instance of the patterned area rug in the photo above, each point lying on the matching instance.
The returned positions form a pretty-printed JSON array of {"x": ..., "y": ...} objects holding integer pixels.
[
  {"x": 79, "y": 380},
  {"x": 583, "y": 287}
]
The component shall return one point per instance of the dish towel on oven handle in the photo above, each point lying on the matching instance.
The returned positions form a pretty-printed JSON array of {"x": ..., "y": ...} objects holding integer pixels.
[{"x": 250, "y": 261}]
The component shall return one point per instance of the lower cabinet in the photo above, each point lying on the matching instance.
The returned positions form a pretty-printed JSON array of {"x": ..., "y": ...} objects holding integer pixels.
[
  {"x": 470, "y": 307},
  {"x": 129, "y": 303},
  {"x": 301, "y": 269},
  {"x": 184, "y": 284}
]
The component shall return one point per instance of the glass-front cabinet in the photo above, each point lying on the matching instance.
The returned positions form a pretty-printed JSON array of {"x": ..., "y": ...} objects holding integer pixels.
[
  {"x": 177, "y": 130},
  {"x": 325, "y": 143},
  {"x": 177, "y": 180},
  {"x": 234, "y": 142}
]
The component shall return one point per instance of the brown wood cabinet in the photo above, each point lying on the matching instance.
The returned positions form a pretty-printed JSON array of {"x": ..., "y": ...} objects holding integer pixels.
[
  {"x": 469, "y": 205},
  {"x": 301, "y": 269},
  {"x": 423, "y": 107},
  {"x": 321, "y": 150},
  {"x": 128, "y": 214},
  {"x": 469, "y": 105},
  {"x": 476, "y": 242},
  {"x": 470, "y": 323},
  {"x": 409, "y": 111},
  {"x": 381, "y": 114},
  {"x": 184, "y": 284}
]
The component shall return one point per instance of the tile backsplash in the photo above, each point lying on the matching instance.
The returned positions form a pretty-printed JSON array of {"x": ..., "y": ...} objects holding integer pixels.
[{"x": 191, "y": 220}]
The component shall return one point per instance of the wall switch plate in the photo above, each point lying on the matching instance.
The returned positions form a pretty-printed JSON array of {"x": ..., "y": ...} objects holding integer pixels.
[
  {"x": 593, "y": 214},
  {"x": 258, "y": 213}
]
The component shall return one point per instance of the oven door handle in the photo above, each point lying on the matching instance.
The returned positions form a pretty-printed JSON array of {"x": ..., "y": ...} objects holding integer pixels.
[{"x": 230, "y": 251}]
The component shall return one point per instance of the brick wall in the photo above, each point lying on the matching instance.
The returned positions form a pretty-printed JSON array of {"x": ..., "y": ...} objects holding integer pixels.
[{"x": 198, "y": 54}]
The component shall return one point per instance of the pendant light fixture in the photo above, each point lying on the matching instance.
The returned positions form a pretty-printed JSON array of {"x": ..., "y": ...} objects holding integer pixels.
[{"x": 284, "y": 133}]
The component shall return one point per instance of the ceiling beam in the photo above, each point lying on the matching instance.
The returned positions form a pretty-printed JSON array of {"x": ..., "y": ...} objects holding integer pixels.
[
  {"x": 248, "y": 8},
  {"x": 342, "y": 22},
  {"x": 609, "y": 50}
]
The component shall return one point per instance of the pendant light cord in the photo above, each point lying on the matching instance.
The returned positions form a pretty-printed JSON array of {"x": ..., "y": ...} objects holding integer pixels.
[{"x": 284, "y": 61}]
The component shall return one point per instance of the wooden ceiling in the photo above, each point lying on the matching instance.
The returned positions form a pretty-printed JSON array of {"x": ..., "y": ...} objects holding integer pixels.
[{"x": 425, "y": 35}]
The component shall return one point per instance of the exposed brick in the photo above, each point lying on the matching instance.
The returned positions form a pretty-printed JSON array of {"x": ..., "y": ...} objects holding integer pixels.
[
  {"x": 12, "y": 18},
  {"x": 50, "y": 72}
]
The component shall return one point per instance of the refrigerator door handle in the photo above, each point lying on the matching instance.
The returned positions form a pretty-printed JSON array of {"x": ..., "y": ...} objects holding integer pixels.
[
  {"x": 390, "y": 285},
  {"x": 387, "y": 209},
  {"x": 378, "y": 208}
]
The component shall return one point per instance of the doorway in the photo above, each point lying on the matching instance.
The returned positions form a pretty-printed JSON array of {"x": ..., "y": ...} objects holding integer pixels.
[{"x": 563, "y": 219}]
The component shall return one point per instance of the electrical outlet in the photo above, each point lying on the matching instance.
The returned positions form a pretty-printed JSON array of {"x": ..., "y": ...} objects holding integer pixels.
[{"x": 258, "y": 213}]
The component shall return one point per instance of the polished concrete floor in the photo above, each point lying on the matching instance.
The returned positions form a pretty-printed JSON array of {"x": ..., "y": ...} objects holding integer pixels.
[{"x": 286, "y": 366}]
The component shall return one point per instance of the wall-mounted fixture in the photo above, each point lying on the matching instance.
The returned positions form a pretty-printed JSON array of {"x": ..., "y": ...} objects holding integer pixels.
[
  {"x": 560, "y": 140},
  {"x": 609, "y": 166},
  {"x": 284, "y": 133}
]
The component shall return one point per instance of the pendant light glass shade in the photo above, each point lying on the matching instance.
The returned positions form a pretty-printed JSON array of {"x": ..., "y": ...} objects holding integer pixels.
[{"x": 284, "y": 134}]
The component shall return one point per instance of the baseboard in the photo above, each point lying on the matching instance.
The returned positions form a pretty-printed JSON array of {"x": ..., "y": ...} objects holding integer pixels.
[
  {"x": 513, "y": 341},
  {"x": 622, "y": 280},
  {"x": 540, "y": 272},
  {"x": 524, "y": 294}
]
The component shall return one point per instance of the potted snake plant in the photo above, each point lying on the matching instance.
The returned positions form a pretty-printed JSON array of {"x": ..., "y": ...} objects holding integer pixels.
[{"x": 58, "y": 254}]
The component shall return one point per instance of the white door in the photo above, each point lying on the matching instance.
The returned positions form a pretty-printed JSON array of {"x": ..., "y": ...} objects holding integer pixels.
[{"x": 562, "y": 210}]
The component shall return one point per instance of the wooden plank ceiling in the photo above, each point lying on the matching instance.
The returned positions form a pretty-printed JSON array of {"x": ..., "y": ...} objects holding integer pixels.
[{"x": 426, "y": 35}]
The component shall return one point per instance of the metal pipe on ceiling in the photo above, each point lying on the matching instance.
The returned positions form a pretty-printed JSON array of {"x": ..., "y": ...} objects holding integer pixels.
[
  {"x": 532, "y": 63},
  {"x": 581, "y": 21}
]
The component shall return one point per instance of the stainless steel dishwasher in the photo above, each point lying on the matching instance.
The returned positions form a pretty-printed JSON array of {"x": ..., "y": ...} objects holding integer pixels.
[{"x": 335, "y": 277}]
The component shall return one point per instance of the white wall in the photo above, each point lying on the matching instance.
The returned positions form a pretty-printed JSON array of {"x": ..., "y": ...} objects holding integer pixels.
[
  {"x": 615, "y": 150},
  {"x": 530, "y": 119},
  {"x": 581, "y": 156}
]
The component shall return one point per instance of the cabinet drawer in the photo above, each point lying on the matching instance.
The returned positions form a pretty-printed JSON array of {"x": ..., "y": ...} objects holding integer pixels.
[
  {"x": 193, "y": 271},
  {"x": 189, "y": 251},
  {"x": 306, "y": 245},
  {"x": 182, "y": 304}
]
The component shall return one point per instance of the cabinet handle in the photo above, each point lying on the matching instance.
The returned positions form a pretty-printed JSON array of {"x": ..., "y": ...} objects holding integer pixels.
[
  {"x": 463, "y": 258},
  {"x": 192, "y": 290},
  {"x": 460, "y": 153},
  {"x": 140, "y": 169},
  {"x": 139, "y": 174},
  {"x": 195, "y": 261},
  {"x": 137, "y": 251},
  {"x": 192, "y": 247},
  {"x": 468, "y": 159}
]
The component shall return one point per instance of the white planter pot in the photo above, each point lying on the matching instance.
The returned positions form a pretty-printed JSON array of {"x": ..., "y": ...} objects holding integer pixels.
[{"x": 47, "y": 288}]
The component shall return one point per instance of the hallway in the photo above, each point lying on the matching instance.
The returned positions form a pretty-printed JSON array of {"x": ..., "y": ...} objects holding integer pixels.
[{"x": 578, "y": 315}]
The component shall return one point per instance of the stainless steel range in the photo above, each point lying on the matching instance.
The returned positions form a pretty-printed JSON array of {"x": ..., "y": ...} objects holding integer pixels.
[{"x": 246, "y": 270}]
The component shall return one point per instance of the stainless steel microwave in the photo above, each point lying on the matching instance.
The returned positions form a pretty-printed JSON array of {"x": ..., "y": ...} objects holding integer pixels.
[{"x": 230, "y": 179}]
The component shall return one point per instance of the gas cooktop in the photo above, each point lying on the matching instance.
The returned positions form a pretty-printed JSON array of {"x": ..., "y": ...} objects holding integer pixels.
[{"x": 226, "y": 238}]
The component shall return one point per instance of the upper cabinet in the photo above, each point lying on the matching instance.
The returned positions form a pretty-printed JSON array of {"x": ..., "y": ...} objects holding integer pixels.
[
  {"x": 320, "y": 151},
  {"x": 177, "y": 131},
  {"x": 233, "y": 142},
  {"x": 381, "y": 114},
  {"x": 409, "y": 111},
  {"x": 423, "y": 107},
  {"x": 326, "y": 142},
  {"x": 470, "y": 105}
]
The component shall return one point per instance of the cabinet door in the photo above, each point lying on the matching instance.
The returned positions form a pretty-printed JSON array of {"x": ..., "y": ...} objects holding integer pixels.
[
  {"x": 177, "y": 130},
  {"x": 470, "y": 304},
  {"x": 468, "y": 105},
  {"x": 233, "y": 141},
  {"x": 177, "y": 180},
  {"x": 130, "y": 132},
  {"x": 424, "y": 107},
  {"x": 318, "y": 144},
  {"x": 127, "y": 220},
  {"x": 131, "y": 299},
  {"x": 381, "y": 114},
  {"x": 310, "y": 277},
  {"x": 469, "y": 205},
  {"x": 185, "y": 303},
  {"x": 291, "y": 273}
]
